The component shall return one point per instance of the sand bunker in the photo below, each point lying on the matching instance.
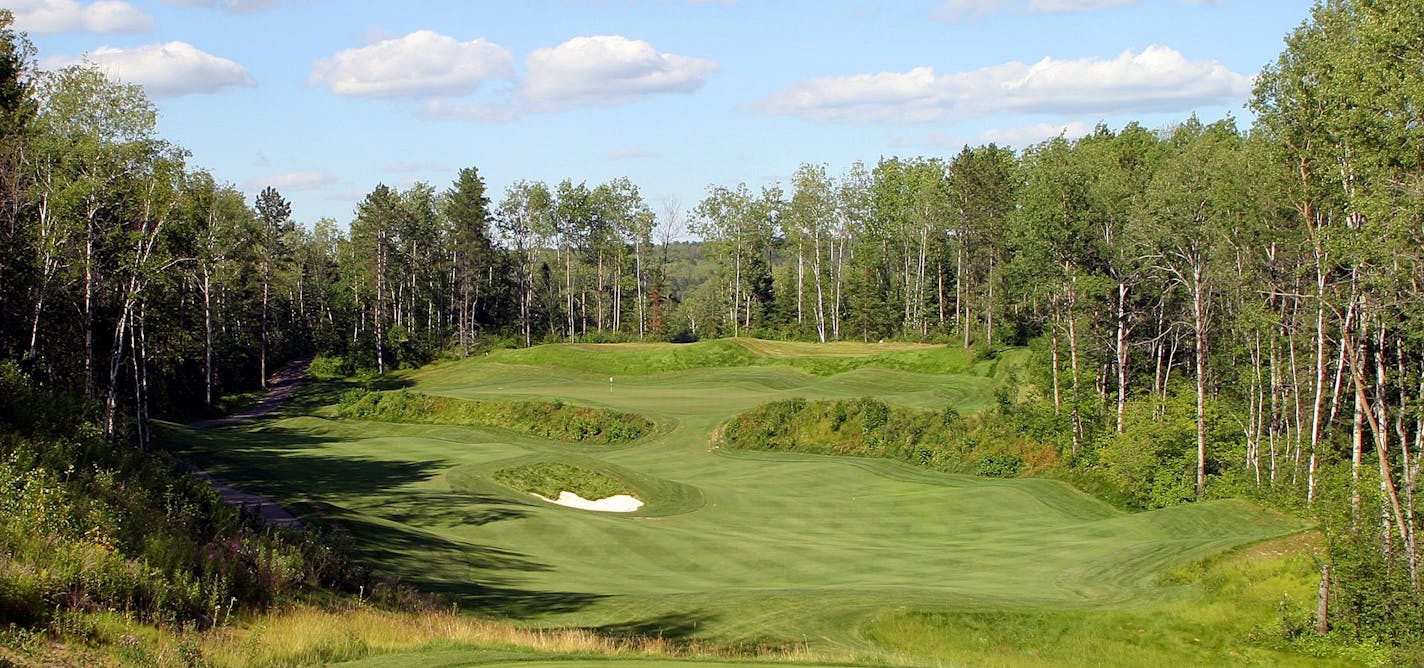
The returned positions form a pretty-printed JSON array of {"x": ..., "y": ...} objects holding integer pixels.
[{"x": 618, "y": 503}]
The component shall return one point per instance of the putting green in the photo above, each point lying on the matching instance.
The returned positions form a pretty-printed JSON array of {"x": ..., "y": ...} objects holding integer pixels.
[{"x": 732, "y": 546}]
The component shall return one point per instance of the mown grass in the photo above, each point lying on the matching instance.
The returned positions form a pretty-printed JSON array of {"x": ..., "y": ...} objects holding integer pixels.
[
  {"x": 1250, "y": 606},
  {"x": 735, "y": 547},
  {"x": 548, "y": 479}
]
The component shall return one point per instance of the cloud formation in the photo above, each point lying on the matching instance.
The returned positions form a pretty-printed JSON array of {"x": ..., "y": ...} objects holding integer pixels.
[
  {"x": 609, "y": 70},
  {"x": 1156, "y": 79},
  {"x": 166, "y": 70},
  {"x": 293, "y": 181},
  {"x": 230, "y": 6},
  {"x": 1033, "y": 134},
  {"x": 48, "y": 17},
  {"x": 421, "y": 64},
  {"x": 958, "y": 10}
]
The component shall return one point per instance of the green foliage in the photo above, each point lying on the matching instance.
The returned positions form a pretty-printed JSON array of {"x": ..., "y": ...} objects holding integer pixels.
[
  {"x": 818, "y": 360},
  {"x": 553, "y": 420},
  {"x": 330, "y": 367},
  {"x": 868, "y": 427},
  {"x": 1000, "y": 465},
  {"x": 547, "y": 479}
]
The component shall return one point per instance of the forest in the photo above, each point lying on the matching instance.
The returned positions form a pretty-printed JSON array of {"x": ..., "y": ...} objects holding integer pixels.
[{"x": 1211, "y": 310}]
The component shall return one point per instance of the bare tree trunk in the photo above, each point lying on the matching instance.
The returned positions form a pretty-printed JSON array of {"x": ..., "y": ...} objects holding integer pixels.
[
  {"x": 1121, "y": 355},
  {"x": 207, "y": 339},
  {"x": 1322, "y": 602}
]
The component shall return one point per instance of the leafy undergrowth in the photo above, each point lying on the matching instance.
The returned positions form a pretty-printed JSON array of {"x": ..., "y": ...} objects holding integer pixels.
[
  {"x": 547, "y": 419},
  {"x": 817, "y": 359},
  {"x": 868, "y": 427},
  {"x": 1252, "y": 606},
  {"x": 549, "y": 478},
  {"x": 96, "y": 534}
]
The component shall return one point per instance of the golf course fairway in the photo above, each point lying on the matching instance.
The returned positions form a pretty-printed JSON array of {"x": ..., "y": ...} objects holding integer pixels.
[{"x": 740, "y": 548}]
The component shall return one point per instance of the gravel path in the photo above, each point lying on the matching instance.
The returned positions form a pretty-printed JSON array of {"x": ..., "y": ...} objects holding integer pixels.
[{"x": 282, "y": 386}]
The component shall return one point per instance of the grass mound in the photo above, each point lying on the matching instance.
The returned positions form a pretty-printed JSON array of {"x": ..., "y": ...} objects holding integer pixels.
[
  {"x": 824, "y": 359},
  {"x": 547, "y": 479},
  {"x": 868, "y": 427},
  {"x": 553, "y": 420},
  {"x": 1240, "y": 608}
]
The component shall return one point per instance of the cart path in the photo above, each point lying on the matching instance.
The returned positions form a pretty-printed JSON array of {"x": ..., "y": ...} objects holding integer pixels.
[{"x": 281, "y": 387}]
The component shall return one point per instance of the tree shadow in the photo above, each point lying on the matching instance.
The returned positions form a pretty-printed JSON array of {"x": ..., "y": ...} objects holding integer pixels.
[
  {"x": 388, "y": 537},
  {"x": 477, "y": 577},
  {"x": 315, "y": 393},
  {"x": 678, "y": 626}
]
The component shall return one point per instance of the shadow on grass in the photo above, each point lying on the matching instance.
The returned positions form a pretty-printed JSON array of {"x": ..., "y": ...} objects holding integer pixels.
[
  {"x": 678, "y": 626},
  {"x": 318, "y": 392},
  {"x": 384, "y": 532},
  {"x": 479, "y": 578}
]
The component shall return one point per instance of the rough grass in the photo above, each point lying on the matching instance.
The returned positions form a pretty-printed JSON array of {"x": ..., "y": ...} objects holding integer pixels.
[
  {"x": 867, "y": 427},
  {"x": 548, "y": 479},
  {"x": 735, "y": 548},
  {"x": 549, "y": 419},
  {"x": 817, "y": 359}
]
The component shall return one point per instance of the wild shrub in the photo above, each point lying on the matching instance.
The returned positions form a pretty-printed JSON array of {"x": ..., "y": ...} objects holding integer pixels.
[
  {"x": 1000, "y": 465},
  {"x": 554, "y": 420},
  {"x": 548, "y": 479},
  {"x": 87, "y": 525},
  {"x": 870, "y": 427}
]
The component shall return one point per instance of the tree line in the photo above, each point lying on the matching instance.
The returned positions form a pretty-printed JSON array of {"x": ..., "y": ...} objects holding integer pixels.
[{"x": 1211, "y": 310}]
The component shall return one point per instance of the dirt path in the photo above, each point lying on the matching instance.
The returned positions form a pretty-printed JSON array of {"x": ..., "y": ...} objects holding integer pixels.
[{"x": 282, "y": 386}]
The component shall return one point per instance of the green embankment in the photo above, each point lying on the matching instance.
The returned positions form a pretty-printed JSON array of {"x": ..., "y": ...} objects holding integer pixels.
[
  {"x": 740, "y": 547},
  {"x": 548, "y": 479},
  {"x": 867, "y": 427},
  {"x": 549, "y": 419}
]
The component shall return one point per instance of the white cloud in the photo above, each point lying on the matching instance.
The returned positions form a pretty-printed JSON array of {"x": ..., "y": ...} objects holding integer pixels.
[
  {"x": 230, "y": 6},
  {"x": 1033, "y": 134},
  {"x": 1156, "y": 79},
  {"x": 293, "y": 181},
  {"x": 1064, "y": 6},
  {"x": 420, "y": 64},
  {"x": 166, "y": 70},
  {"x": 957, "y": 10},
  {"x": 609, "y": 69},
  {"x": 48, "y": 17}
]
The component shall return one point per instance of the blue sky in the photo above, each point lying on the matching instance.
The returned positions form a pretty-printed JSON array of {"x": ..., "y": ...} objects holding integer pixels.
[{"x": 326, "y": 98}]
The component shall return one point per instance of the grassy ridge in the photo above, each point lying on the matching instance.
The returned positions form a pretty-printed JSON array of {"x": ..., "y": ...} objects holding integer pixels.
[
  {"x": 868, "y": 427},
  {"x": 548, "y": 479},
  {"x": 1241, "y": 608},
  {"x": 553, "y": 420},
  {"x": 817, "y": 359}
]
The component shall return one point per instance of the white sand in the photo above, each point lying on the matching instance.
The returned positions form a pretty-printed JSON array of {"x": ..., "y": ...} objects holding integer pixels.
[{"x": 619, "y": 503}]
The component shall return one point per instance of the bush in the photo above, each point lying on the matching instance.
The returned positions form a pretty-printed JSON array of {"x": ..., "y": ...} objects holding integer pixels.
[
  {"x": 1000, "y": 465},
  {"x": 547, "y": 479},
  {"x": 548, "y": 419},
  {"x": 869, "y": 427}
]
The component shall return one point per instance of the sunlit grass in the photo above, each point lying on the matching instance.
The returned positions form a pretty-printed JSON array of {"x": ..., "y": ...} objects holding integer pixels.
[{"x": 830, "y": 556}]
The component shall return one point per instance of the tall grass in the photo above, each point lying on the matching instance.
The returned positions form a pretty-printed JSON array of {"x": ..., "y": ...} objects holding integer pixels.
[
  {"x": 548, "y": 479},
  {"x": 308, "y": 636},
  {"x": 867, "y": 427},
  {"x": 548, "y": 419},
  {"x": 816, "y": 359}
]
